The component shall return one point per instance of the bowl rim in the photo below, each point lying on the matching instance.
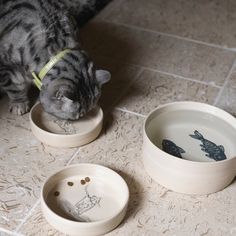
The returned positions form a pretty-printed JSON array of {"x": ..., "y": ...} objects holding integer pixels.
[
  {"x": 86, "y": 224},
  {"x": 100, "y": 112},
  {"x": 190, "y": 104}
]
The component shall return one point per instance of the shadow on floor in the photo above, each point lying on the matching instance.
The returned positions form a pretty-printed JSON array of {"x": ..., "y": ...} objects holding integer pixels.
[{"x": 101, "y": 41}]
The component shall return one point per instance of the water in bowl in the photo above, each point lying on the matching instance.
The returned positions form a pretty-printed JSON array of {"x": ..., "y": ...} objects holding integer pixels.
[{"x": 193, "y": 135}]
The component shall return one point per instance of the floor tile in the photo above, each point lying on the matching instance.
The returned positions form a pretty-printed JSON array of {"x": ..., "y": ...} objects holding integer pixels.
[
  {"x": 119, "y": 144},
  {"x": 169, "y": 213},
  {"x": 153, "y": 210},
  {"x": 24, "y": 164},
  {"x": 152, "y": 89},
  {"x": 155, "y": 51},
  {"x": 207, "y": 21},
  {"x": 37, "y": 225},
  {"x": 5, "y": 234},
  {"x": 227, "y": 100}
]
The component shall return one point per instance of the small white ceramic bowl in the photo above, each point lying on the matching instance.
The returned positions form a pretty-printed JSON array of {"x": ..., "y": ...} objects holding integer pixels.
[
  {"x": 61, "y": 133},
  {"x": 85, "y": 199},
  {"x": 190, "y": 147}
]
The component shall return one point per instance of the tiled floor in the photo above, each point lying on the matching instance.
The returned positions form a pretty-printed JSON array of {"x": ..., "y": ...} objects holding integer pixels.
[{"x": 158, "y": 51}]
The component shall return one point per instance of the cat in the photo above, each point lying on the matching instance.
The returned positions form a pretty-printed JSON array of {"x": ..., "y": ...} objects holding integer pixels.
[{"x": 31, "y": 33}]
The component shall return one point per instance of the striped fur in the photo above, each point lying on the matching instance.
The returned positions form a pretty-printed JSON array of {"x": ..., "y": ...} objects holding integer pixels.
[{"x": 31, "y": 32}]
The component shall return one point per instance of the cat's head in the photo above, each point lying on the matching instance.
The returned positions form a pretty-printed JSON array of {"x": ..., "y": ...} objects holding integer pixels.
[{"x": 72, "y": 87}]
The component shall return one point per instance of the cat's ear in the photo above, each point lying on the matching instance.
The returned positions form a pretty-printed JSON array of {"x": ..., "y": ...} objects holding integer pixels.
[{"x": 102, "y": 76}]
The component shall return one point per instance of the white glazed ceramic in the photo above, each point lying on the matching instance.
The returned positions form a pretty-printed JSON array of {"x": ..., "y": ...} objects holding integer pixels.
[
  {"x": 60, "y": 133},
  {"x": 84, "y": 199},
  {"x": 202, "y": 138}
]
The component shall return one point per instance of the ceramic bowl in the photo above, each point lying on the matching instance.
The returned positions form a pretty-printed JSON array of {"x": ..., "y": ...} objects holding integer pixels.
[
  {"x": 61, "y": 133},
  {"x": 84, "y": 199},
  {"x": 190, "y": 147}
]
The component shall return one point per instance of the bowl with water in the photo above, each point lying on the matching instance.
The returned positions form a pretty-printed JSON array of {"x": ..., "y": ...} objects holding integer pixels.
[{"x": 189, "y": 147}]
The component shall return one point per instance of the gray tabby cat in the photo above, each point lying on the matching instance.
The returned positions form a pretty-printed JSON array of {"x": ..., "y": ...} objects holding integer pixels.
[{"x": 33, "y": 31}]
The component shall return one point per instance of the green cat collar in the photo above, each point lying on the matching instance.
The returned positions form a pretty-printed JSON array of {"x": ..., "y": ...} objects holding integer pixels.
[{"x": 38, "y": 78}]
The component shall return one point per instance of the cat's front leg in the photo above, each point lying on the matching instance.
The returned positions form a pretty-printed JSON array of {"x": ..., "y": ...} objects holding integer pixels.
[
  {"x": 16, "y": 87},
  {"x": 18, "y": 100}
]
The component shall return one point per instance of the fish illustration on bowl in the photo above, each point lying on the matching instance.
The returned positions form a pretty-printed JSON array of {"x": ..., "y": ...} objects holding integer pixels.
[
  {"x": 213, "y": 151},
  {"x": 171, "y": 148}
]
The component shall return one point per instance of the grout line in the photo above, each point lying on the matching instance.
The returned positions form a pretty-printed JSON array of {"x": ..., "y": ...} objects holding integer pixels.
[
  {"x": 10, "y": 232},
  {"x": 27, "y": 216},
  {"x": 73, "y": 157},
  {"x": 130, "y": 112},
  {"x": 123, "y": 93},
  {"x": 165, "y": 73},
  {"x": 172, "y": 36},
  {"x": 182, "y": 77},
  {"x": 225, "y": 84},
  {"x": 38, "y": 201},
  {"x": 128, "y": 87}
]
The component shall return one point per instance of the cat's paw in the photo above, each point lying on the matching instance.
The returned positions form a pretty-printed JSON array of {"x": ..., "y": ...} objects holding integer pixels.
[{"x": 19, "y": 108}]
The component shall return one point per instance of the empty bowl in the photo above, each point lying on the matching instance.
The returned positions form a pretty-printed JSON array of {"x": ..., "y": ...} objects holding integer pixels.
[
  {"x": 190, "y": 147},
  {"x": 84, "y": 199},
  {"x": 62, "y": 133}
]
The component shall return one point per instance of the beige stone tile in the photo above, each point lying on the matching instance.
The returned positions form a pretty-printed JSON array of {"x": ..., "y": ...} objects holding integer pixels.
[
  {"x": 24, "y": 165},
  {"x": 119, "y": 144},
  {"x": 7, "y": 234},
  {"x": 153, "y": 210},
  {"x": 168, "y": 213},
  {"x": 148, "y": 49},
  {"x": 152, "y": 89},
  {"x": 37, "y": 225},
  {"x": 208, "y": 21},
  {"x": 227, "y": 100}
]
